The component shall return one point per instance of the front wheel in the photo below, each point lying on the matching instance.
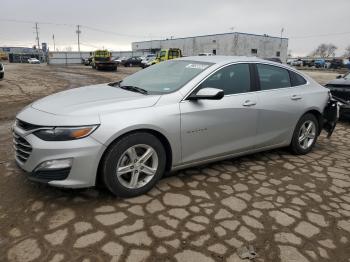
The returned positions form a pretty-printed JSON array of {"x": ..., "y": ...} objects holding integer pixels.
[
  {"x": 133, "y": 164},
  {"x": 305, "y": 135}
]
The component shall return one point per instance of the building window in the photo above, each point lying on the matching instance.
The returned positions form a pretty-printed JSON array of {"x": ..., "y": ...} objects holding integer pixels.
[
  {"x": 214, "y": 51},
  {"x": 214, "y": 41},
  {"x": 254, "y": 51},
  {"x": 278, "y": 53}
]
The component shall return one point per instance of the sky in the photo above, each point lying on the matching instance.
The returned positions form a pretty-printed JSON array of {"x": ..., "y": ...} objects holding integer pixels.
[{"x": 114, "y": 24}]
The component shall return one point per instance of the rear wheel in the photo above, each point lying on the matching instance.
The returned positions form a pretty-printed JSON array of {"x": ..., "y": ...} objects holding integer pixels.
[
  {"x": 305, "y": 135},
  {"x": 133, "y": 164}
]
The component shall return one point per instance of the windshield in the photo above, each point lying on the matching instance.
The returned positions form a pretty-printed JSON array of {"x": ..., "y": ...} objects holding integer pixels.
[
  {"x": 165, "y": 77},
  {"x": 347, "y": 76}
]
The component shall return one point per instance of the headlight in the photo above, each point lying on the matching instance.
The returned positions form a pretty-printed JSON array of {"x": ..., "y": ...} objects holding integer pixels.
[{"x": 65, "y": 133}]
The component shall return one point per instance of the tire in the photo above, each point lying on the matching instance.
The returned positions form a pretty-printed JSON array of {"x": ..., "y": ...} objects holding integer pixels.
[
  {"x": 300, "y": 146},
  {"x": 119, "y": 157}
]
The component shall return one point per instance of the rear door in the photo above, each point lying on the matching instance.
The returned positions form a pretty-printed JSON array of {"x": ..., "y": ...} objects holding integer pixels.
[
  {"x": 281, "y": 104},
  {"x": 211, "y": 128}
]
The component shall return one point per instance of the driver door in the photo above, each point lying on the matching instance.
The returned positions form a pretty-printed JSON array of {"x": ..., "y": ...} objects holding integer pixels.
[{"x": 214, "y": 128}]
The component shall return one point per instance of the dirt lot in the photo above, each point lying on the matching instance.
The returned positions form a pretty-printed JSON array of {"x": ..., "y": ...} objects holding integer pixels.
[{"x": 290, "y": 208}]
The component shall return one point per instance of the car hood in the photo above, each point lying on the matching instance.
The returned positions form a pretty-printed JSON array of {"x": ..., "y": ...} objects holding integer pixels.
[
  {"x": 340, "y": 81},
  {"x": 96, "y": 99}
]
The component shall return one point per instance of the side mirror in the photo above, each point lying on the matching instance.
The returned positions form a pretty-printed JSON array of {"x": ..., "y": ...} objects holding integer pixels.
[
  {"x": 339, "y": 76},
  {"x": 207, "y": 93}
]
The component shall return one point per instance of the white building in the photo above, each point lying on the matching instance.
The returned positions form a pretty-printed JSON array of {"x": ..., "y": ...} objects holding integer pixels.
[{"x": 221, "y": 44}]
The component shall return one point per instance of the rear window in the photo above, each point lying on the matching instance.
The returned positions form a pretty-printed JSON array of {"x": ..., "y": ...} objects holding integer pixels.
[
  {"x": 296, "y": 79},
  {"x": 273, "y": 77}
]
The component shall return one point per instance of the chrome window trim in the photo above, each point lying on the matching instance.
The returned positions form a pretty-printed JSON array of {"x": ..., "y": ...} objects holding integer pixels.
[
  {"x": 205, "y": 78},
  {"x": 256, "y": 91}
]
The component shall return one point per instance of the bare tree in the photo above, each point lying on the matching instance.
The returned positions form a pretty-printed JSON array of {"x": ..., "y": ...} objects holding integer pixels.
[
  {"x": 347, "y": 51},
  {"x": 325, "y": 50}
]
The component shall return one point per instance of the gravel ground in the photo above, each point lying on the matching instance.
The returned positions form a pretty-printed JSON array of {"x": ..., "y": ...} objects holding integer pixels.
[{"x": 290, "y": 208}]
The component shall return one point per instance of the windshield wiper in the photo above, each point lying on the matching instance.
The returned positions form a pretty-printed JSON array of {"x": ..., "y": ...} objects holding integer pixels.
[
  {"x": 130, "y": 88},
  {"x": 115, "y": 83},
  {"x": 134, "y": 89}
]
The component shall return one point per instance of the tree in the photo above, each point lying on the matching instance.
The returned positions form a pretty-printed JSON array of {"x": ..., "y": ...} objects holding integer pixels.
[
  {"x": 347, "y": 51},
  {"x": 325, "y": 50}
]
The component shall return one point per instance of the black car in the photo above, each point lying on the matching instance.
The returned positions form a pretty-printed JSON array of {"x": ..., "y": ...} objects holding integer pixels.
[
  {"x": 309, "y": 62},
  {"x": 336, "y": 63},
  {"x": 132, "y": 61},
  {"x": 273, "y": 59},
  {"x": 2, "y": 71},
  {"x": 340, "y": 88}
]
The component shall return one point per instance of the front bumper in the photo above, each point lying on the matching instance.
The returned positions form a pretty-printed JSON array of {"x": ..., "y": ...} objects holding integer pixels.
[
  {"x": 85, "y": 153},
  {"x": 345, "y": 111}
]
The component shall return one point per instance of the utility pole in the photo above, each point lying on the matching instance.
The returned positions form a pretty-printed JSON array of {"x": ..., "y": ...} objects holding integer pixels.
[
  {"x": 54, "y": 44},
  {"x": 37, "y": 39},
  {"x": 282, "y": 30},
  {"x": 78, "y": 33},
  {"x": 37, "y": 35}
]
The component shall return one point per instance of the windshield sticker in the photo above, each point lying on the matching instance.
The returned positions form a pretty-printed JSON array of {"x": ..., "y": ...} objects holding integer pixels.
[{"x": 197, "y": 66}]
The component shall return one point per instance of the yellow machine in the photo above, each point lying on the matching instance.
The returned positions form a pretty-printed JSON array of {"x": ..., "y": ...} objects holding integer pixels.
[
  {"x": 167, "y": 54},
  {"x": 3, "y": 56},
  {"x": 102, "y": 59}
]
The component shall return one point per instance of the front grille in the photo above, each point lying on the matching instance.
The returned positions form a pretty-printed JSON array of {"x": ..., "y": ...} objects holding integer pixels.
[
  {"x": 22, "y": 148},
  {"x": 26, "y": 126}
]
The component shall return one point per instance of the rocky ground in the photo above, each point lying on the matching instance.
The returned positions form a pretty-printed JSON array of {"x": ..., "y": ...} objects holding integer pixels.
[{"x": 290, "y": 208}]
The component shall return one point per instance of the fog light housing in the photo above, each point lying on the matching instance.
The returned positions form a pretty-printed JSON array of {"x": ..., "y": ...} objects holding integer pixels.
[{"x": 55, "y": 164}]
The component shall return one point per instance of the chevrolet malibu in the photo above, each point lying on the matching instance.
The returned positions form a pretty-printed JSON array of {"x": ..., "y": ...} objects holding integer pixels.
[{"x": 170, "y": 116}]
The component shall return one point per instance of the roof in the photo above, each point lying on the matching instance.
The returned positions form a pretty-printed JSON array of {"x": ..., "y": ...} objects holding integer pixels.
[
  {"x": 218, "y": 59},
  {"x": 230, "y": 33}
]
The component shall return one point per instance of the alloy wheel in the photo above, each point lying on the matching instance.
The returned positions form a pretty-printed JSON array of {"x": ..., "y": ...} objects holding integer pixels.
[
  {"x": 307, "y": 134},
  {"x": 137, "y": 166}
]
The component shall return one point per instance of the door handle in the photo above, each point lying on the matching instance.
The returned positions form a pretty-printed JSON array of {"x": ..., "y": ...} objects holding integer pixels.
[
  {"x": 295, "y": 97},
  {"x": 249, "y": 103}
]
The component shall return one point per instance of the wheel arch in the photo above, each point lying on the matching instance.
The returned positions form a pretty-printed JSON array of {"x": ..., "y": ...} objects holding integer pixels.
[
  {"x": 318, "y": 116},
  {"x": 162, "y": 138}
]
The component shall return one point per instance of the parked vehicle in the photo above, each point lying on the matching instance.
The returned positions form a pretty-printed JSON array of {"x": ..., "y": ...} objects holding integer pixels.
[
  {"x": 167, "y": 54},
  {"x": 340, "y": 88},
  {"x": 147, "y": 58},
  {"x": 297, "y": 62},
  {"x": 274, "y": 59},
  {"x": 336, "y": 63},
  {"x": 146, "y": 63},
  {"x": 86, "y": 61},
  {"x": 132, "y": 61},
  {"x": 2, "y": 71},
  {"x": 3, "y": 56},
  {"x": 33, "y": 61},
  {"x": 175, "y": 114},
  {"x": 102, "y": 59},
  {"x": 320, "y": 63},
  {"x": 308, "y": 62},
  {"x": 120, "y": 60}
]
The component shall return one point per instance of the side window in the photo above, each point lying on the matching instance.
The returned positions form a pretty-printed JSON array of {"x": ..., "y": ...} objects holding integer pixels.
[
  {"x": 296, "y": 79},
  {"x": 233, "y": 79},
  {"x": 273, "y": 77}
]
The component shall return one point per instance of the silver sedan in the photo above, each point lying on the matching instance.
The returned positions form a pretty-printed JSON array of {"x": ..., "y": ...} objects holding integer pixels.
[{"x": 170, "y": 116}]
